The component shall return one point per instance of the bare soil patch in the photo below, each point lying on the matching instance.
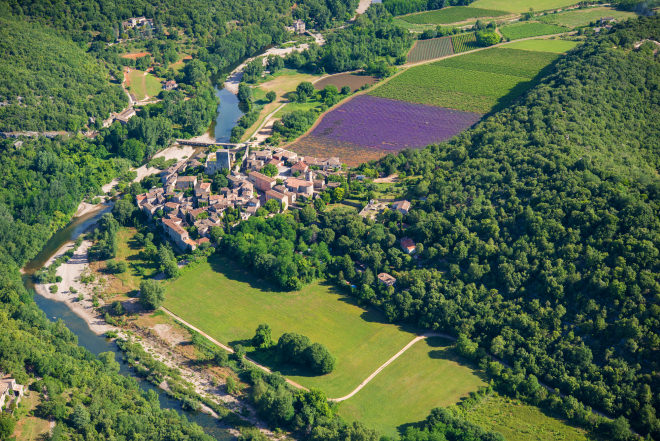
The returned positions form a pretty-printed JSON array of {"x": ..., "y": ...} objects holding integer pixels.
[
  {"x": 351, "y": 80},
  {"x": 135, "y": 55}
]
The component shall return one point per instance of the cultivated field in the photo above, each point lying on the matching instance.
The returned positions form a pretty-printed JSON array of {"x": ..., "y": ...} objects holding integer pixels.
[
  {"x": 522, "y": 5},
  {"x": 544, "y": 45},
  {"x": 430, "y": 49},
  {"x": 349, "y": 153},
  {"x": 229, "y": 303},
  {"x": 476, "y": 82},
  {"x": 516, "y": 31},
  {"x": 521, "y": 422},
  {"x": 372, "y": 123},
  {"x": 423, "y": 385},
  {"x": 353, "y": 81},
  {"x": 142, "y": 84},
  {"x": 583, "y": 17},
  {"x": 464, "y": 42},
  {"x": 450, "y": 15}
]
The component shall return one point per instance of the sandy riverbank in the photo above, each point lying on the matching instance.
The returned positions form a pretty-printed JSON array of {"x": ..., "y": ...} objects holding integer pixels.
[{"x": 70, "y": 272}]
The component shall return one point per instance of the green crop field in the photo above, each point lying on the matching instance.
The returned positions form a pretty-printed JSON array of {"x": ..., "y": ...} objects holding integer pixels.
[
  {"x": 464, "y": 42},
  {"x": 530, "y": 29},
  {"x": 520, "y": 422},
  {"x": 450, "y": 15},
  {"x": 476, "y": 82},
  {"x": 430, "y": 49},
  {"x": 544, "y": 45},
  {"x": 429, "y": 377},
  {"x": 522, "y": 5},
  {"x": 229, "y": 303},
  {"x": 582, "y": 17}
]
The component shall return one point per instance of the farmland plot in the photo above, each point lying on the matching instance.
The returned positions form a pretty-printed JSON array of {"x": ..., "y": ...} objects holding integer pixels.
[
  {"x": 464, "y": 42},
  {"x": 583, "y": 17},
  {"x": 522, "y": 5},
  {"x": 430, "y": 49},
  {"x": 384, "y": 126},
  {"x": 523, "y": 30},
  {"x": 452, "y": 14},
  {"x": 474, "y": 82}
]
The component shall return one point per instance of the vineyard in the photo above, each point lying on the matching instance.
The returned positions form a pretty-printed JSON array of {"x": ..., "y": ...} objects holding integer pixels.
[
  {"x": 523, "y": 30},
  {"x": 430, "y": 49},
  {"x": 451, "y": 15},
  {"x": 464, "y": 42},
  {"x": 476, "y": 82}
]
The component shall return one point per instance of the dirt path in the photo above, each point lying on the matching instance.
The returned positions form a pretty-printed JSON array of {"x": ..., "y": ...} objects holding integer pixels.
[
  {"x": 227, "y": 348},
  {"x": 362, "y": 7}
]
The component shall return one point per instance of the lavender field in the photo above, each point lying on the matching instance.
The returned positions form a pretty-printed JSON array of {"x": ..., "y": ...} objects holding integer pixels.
[{"x": 391, "y": 125}]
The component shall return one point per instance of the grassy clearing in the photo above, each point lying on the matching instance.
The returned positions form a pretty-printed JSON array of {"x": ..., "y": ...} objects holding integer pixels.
[
  {"x": 282, "y": 82},
  {"x": 464, "y": 42},
  {"x": 450, "y": 15},
  {"x": 229, "y": 303},
  {"x": 583, "y": 17},
  {"x": 522, "y": 5},
  {"x": 428, "y": 376},
  {"x": 521, "y": 422},
  {"x": 143, "y": 85},
  {"x": 430, "y": 49},
  {"x": 553, "y": 46},
  {"x": 517, "y": 31},
  {"x": 475, "y": 82},
  {"x": 31, "y": 428}
]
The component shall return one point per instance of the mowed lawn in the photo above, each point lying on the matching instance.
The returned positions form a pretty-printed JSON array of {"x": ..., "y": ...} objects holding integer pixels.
[
  {"x": 582, "y": 17},
  {"x": 517, "y": 31},
  {"x": 522, "y": 5},
  {"x": 426, "y": 376},
  {"x": 229, "y": 303},
  {"x": 521, "y": 422},
  {"x": 476, "y": 82},
  {"x": 143, "y": 85},
  {"x": 544, "y": 45},
  {"x": 450, "y": 15}
]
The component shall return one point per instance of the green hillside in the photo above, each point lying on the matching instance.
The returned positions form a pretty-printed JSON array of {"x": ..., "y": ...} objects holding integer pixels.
[{"x": 47, "y": 82}]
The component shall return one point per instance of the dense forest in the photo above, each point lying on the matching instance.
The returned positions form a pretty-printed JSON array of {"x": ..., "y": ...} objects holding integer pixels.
[
  {"x": 47, "y": 82},
  {"x": 400, "y": 7},
  {"x": 537, "y": 238}
]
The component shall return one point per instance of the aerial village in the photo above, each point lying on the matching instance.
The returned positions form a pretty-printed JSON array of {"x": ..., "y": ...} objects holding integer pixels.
[{"x": 184, "y": 201}]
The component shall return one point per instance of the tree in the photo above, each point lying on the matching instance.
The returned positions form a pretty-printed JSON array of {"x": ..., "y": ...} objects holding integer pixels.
[
  {"x": 308, "y": 214},
  {"x": 80, "y": 417},
  {"x": 132, "y": 149},
  {"x": 123, "y": 210},
  {"x": 305, "y": 90},
  {"x": 270, "y": 170},
  {"x": 7, "y": 424},
  {"x": 270, "y": 96},
  {"x": 488, "y": 38},
  {"x": 346, "y": 90},
  {"x": 244, "y": 93},
  {"x": 262, "y": 338},
  {"x": 273, "y": 205},
  {"x": 152, "y": 294},
  {"x": 319, "y": 359}
]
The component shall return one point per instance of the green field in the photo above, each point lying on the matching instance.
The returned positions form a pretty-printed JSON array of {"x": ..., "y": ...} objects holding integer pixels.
[
  {"x": 522, "y": 5},
  {"x": 521, "y": 422},
  {"x": 517, "y": 31},
  {"x": 429, "y": 377},
  {"x": 450, "y": 15},
  {"x": 229, "y": 303},
  {"x": 464, "y": 42},
  {"x": 544, "y": 45},
  {"x": 582, "y": 17},
  {"x": 430, "y": 49},
  {"x": 143, "y": 85},
  {"x": 477, "y": 82}
]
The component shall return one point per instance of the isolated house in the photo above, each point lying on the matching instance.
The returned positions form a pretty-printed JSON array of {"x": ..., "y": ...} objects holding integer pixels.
[
  {"x": 170, "y": 85},
  {"x": 402, "y": 207},
  {"x": 386, "y": 279},
  {"x": 10, "y": 391},
  {"x": 299, "y": 26},
  {"x": 408, "y": 245}
]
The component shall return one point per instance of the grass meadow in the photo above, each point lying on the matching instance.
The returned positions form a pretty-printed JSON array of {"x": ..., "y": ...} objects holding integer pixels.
[
  {"x": 430, "y": 49},
  {"x": 477, "y": 82},
  {"x": 452, "y": 14},
  {"x": 428, "y": 376},
  {"x": 517, "y": 31},
  {"x": 522, "y": 5},
  {"x": 544, "y": 45},
  {"x": 143, "y": 85},
  {"x": 229, "y": 303},
  {"x": 521, "y": 422},
  {"x": 582, "y": 17}
]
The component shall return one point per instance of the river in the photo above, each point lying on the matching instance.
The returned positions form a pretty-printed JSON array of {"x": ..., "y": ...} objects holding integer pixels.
[
  {"x": 95, "y": 343},
  {"x": 228, "y": 114}
]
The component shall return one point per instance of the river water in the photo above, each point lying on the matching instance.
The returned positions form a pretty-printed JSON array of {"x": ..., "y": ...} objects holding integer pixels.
[
  {"x": 95, "y": 343},
  {"x": 228, "y": 114}
]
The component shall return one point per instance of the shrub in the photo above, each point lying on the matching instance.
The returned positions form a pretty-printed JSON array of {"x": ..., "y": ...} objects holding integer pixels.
[{"x": 52, "y": 289}]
